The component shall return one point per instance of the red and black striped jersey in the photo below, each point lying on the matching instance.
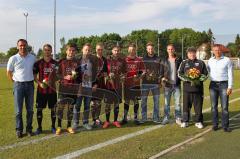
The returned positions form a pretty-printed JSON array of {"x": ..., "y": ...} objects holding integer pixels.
[
  {"x": 46, "y": 70},
  {"x": 65, "y": 67},
  {"x": 135, "y": 66},
  {"x": 117, "y": 67}
]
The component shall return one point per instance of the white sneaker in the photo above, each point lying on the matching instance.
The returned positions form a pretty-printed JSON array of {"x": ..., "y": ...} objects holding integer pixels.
[
  {"x": 184, "y": 124},
  {"x": 87, "y": 126},
  {"x": 178, "y": 121},
  {"x": 165, "y": 120},
  {"x": 199, "y": 125}
]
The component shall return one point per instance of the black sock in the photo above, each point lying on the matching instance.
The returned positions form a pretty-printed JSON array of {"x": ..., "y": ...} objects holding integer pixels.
[
  {"x": 39, "y": 118},
  {"x": 59, "y": 122},
  {"x": 116, "y": 111},
  {"x": 126, "y": 109},
  {"x": 136, "y": 106},
  {"x": 53, "y": 117},
  {"x": 107, "y": 116}
]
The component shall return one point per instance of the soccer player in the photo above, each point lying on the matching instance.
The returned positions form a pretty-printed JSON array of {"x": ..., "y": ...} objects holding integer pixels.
[
  {"x": 68, "y": 84},
  {"x": 116, "y": 71},
  {"x": 45, "y": 76},
  {"x": 87, "y": 71},
  {"x": 101, "y": 74},
  {"x": 135, "y": 70},
  {"x": 192, "y": 93}
]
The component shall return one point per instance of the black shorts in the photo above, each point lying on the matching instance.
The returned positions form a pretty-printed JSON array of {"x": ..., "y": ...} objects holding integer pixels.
[
  {"x": 46, "y": 99},
  {"x": 133, "y": 93}
]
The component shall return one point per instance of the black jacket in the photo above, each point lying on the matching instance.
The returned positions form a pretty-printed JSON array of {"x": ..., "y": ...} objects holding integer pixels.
[
  {"x": 167, "y": 72},
  {"x": 154, "y": 69},
  {"x": 183, "y": 69}
]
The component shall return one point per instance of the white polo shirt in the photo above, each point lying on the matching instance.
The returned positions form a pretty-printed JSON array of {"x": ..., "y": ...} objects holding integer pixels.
[{"x": 22, "y": 67}]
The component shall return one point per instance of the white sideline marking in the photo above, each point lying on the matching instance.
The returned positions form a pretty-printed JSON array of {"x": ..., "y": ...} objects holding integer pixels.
[
  {"x": 125, "y": 137},
  {"x": 3, "y": 148},
  {"x": 24, "y": 143},
  {"x": 164, "y": 152}
]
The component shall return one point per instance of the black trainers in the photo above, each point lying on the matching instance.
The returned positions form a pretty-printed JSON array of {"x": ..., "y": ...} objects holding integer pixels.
[
  {"x": 137, "y": 122},
  {"x": 30, "y": 133},
  {"x": 227, "y": 130},
  {"x": 19, "y": 134},
  {"x": 123, "y": 122},
  {"x": 38, "y": 131},
  {"x": 215, "y": 128}
]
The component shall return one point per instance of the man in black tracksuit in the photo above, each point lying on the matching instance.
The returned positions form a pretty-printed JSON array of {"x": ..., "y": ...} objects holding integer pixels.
[{"x": 192, "y": 93}]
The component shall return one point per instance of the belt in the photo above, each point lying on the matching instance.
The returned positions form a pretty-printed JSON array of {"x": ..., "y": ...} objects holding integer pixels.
[
  {"x": 219, "y": 82},
  {"x": 24, "y": 82}
]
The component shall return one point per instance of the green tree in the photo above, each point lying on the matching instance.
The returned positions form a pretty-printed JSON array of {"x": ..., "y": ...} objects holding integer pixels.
[
  {"x": 12, "y": 51},
  {"x": 40, "y": 53}
]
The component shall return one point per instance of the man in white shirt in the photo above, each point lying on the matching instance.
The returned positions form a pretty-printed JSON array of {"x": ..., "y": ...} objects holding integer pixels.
[
  {"x": 221, "y": 76},
  {"x": 20, "y": 71}
]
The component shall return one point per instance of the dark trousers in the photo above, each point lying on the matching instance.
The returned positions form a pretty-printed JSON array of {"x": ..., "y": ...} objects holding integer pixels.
[
  {"x": 219, "y": 89},
  {"x": 195, "y": 99}
]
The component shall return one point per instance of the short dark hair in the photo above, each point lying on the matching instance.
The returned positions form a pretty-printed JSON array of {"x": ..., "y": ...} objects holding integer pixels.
[
  {"x": 149, "y": 44},
  {"x": 47, "y": 45},
  {"x": 132, "y": 45},
  {"x": 191, "y": 49},
  {"x": 23, "y": 40},
  {"x": 116, "y": 46},
  {"x": 71, "y": 45},
  {"x": 87, "y": 44}
]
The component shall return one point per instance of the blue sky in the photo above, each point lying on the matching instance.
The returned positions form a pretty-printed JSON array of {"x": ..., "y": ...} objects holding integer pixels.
[{"x": 95, "y": 17}]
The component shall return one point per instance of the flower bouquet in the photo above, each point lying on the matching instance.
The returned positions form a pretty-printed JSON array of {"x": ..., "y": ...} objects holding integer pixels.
[
  {"x": 44, "y": 83},
  {"x": 74, "y": 74},
  {"x": 194, "y": 76}
]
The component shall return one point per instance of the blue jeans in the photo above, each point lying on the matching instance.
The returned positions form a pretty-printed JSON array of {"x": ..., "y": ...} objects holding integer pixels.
[
  {"x": 176, "y": 92},
  {"x": 219, "y": 90},
  {"x": 154, "y": 88},
  {"x": 77, "y": 108},
  {"x": 23, "y": 91}
]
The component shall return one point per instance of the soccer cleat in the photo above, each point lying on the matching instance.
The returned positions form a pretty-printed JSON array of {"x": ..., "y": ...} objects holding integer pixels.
[
  {"x": 184, "y": 124},
  {"x": 70, "y": 130},
  {"x": 58, "y": 131},
  {"x": 117, "y": 124},
  {"x": 124, "y": 121},
  {"x": 199, "y": 125},
  {"x": 106, "y": 124},
  {"x": 137, "y": 122},
  {"x": 53, "y": 130},
  {"x": 178, "y": 121}
]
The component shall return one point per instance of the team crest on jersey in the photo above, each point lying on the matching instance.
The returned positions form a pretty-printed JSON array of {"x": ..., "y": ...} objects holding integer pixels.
[{"x": 196, "y": 64}]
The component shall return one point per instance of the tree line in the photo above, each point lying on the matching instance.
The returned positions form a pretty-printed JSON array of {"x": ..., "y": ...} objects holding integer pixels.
[{"x": 181, "y": 38}]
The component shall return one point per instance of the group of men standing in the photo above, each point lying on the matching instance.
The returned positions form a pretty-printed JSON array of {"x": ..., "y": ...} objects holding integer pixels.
[{"x": 94, "y": 79}]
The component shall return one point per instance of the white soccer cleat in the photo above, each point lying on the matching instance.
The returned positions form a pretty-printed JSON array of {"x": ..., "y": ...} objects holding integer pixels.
[{"x": 199, "y": 125}]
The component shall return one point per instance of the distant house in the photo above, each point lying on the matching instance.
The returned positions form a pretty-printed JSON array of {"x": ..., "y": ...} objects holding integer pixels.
[{"x": 202, "y": 51}]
